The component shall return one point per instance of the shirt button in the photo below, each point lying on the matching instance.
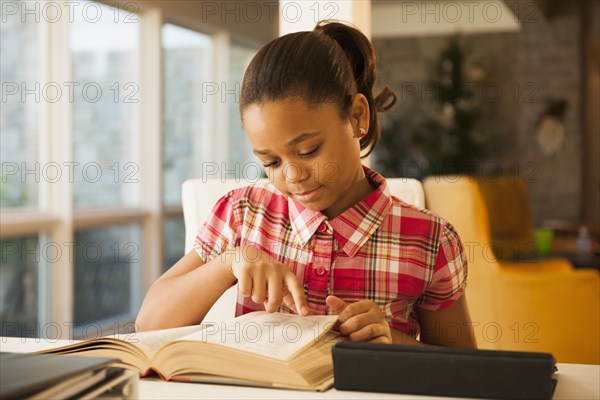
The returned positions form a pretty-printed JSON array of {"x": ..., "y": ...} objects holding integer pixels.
[
  {"x": 320, "y": 271},
  {"x": 323, "y": 227}
]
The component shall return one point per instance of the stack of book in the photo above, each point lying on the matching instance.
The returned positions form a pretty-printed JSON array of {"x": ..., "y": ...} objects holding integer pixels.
[{"x": 44, "y": 376}]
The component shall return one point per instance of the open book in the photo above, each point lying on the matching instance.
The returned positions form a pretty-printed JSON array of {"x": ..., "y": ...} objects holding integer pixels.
[{"x": 259, "y": 349}]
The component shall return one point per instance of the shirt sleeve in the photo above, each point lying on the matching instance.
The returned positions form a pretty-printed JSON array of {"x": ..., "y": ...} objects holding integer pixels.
[
  {"x": 450, "y": 273},
  {"x": 220, "y": 231}
]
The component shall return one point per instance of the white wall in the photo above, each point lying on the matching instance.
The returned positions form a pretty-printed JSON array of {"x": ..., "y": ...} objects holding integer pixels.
[
  {"x": 414, "y": 18},
  {"x": 254, "y": 21}
]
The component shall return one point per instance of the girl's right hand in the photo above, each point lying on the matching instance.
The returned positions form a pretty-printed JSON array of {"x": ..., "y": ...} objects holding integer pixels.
[{"x": 266, "y": 280}]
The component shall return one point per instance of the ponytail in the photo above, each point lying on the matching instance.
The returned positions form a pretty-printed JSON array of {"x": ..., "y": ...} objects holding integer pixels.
[
  {"x": 333, "y": 62},
  {"x": 362, "y": 59}
]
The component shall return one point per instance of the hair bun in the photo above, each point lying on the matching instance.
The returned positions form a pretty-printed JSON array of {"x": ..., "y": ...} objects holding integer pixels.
[{"x": 385, "y": 99}]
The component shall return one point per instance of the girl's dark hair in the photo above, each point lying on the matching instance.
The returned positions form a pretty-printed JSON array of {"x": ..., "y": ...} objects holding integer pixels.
[{"x": 333, "y": 63}]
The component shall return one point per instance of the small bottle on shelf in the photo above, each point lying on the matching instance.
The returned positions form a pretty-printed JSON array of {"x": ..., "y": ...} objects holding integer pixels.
[{"x": 583, "y": 240}]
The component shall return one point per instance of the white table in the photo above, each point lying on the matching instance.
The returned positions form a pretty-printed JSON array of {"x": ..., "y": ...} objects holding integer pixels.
[{"x": 575, "y": 381}]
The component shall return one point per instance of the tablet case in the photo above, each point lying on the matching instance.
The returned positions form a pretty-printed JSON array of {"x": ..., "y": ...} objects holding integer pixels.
[{"x": 443, "y": 371}]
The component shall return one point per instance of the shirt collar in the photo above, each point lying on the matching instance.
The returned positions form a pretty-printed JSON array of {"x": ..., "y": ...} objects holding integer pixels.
[{"x": 353, "y": 227}]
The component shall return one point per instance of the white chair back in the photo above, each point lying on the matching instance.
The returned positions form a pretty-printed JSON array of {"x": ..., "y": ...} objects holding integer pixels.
[
  {"x": 198, "y": 196},
  {"x": 408, "y": 190}
]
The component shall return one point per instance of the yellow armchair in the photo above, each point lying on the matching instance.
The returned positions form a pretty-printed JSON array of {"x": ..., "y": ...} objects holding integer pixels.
[
  {"x": 528, "y": 306},
  {"x": 511, "y": 224}
]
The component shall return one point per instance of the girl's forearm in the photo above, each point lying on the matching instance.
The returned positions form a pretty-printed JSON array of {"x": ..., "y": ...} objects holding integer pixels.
[
  {"x": 185, "y": 299},
  {"x": 399, "y": 337}
]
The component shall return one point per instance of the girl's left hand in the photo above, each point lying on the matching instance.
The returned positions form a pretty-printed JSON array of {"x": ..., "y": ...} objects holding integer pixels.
[{"x": 362, "y": 321}]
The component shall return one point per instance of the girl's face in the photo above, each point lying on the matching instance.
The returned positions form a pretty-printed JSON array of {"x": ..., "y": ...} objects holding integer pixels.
[{"x": 310, "y": 153}]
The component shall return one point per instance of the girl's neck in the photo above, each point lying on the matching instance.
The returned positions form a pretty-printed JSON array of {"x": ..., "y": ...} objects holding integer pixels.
[{"x": 360, "y": 189}]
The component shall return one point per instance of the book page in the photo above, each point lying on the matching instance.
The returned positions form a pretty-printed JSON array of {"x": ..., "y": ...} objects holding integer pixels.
[
  {"x": 274, "y": 335},
  {"x": 149, "y": 341}
]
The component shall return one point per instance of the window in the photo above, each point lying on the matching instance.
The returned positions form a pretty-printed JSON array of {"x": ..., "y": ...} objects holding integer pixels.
[
  {"x": 22, "y": 271},
  {"x": 187, "y": 72},
  {"x": 186, "y": 128},
  {"x": 240, "y": 152},
  {"x": 173, "y": 241},
  {"x": 107, "y": 258},
  {"x": 83, "y": 70},
  {"x": 107, "y": 267},
  {"x": 104, "y": 66},
  {"x": 20, "y": 285},
  {"x": 20, "y": 111}
]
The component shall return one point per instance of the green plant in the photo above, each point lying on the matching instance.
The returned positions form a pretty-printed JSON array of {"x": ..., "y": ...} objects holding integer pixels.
[{"x": 440, "y": 137}]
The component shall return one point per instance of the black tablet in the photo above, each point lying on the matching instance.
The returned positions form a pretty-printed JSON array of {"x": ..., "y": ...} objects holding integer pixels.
[{"x": 443, "y": 371}]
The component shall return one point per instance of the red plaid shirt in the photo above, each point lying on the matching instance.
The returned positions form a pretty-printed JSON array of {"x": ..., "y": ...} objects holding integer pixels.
[{"x": 382, "y": 249}]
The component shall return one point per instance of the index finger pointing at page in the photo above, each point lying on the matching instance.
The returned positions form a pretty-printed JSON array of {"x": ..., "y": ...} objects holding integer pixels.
[{"x": 297, "y": 291}]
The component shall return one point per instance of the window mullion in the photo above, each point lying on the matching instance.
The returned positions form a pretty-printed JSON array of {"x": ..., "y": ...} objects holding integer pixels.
[
  {"x": 148, "y": 145},
  {"x": 56, "y": 275},
  {"x": 220, "y": 48}
]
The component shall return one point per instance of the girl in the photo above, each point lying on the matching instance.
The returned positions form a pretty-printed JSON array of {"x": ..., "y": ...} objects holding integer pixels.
[{"x": 324, "y": 235}]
